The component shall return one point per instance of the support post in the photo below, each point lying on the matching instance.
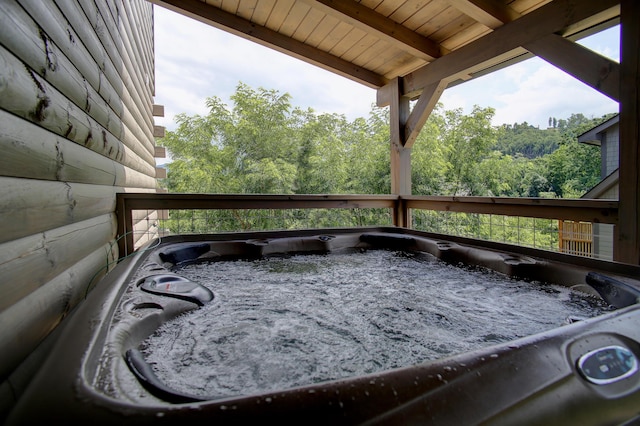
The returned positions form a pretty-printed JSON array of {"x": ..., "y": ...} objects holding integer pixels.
[
  {"x": 401, "y": 213},
  {"x": 400, "y": 156},
  {"x": 627, "y": 244},
  {"x": 125, "y": 226}
]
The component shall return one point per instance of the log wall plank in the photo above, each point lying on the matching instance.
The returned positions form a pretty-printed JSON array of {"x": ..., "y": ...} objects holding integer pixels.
[
  {"x": 31, "y": 97},
  {"x": 76, "y": 129},
  {"x": 29, "y": 263},
  {"x": 26, "y": 323},
  {"x": 32, "y": 152},
  {"x": 104, "y": 51},
  {"x": 107, "y": 31},
  {"x": 34, "y": 206},
  {"x": 58, "y": 30}
]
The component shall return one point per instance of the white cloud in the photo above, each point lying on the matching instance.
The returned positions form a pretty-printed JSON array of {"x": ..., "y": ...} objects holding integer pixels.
[
  {"x": 548, "y": 92},
  {"x": 195, "y": 61}
]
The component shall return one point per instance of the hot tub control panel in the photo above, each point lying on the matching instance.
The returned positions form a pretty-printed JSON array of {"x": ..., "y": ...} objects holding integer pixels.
[{"x": 607, "y": 365}]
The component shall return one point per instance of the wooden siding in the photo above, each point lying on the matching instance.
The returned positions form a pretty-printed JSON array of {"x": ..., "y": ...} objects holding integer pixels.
[
  {"x": 610, "y": 150},
  {"x": 76, "y": 128}
]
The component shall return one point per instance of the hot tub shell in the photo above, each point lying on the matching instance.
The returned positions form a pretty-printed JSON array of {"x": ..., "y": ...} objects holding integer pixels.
[{"x": 533, "y": 380}]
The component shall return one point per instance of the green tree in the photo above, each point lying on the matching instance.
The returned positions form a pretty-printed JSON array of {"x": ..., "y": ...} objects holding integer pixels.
[
  {"x": 467, "y": 140},
  {"x": 322, "y": 165},
  {"x": 429, "y": 162},
  {"x": 527, "y": 140},
  {"x": 367, "y": 155}
]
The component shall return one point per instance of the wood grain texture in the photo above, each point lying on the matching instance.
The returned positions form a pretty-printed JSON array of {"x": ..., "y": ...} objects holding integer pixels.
[
  {"x": 27, "y": 322},
  {"x": 31, "y": 262}
]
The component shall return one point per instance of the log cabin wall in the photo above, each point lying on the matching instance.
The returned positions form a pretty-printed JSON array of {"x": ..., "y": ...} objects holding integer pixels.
[{"x": 76, "y": 127}]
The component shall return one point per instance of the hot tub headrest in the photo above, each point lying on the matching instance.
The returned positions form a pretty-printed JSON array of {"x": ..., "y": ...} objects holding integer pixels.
[
  {"x": 614, "y": 292},
  {"x": 172, "y": 285},
  {"x": 392, "y": 241},
  {"x": 184, "y": 253}
]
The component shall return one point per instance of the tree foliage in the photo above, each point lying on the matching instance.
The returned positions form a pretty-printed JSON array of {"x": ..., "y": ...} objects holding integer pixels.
[{"x": 263, "y": 144}]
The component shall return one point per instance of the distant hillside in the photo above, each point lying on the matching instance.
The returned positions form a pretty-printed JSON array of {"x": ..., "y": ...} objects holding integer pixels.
[
  {"x": 533, "y": 142},
  {"x": 527, "y": 140}
]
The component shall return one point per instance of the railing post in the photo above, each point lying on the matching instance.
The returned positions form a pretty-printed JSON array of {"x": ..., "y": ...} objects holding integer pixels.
[
  {"x": 401, "y": 213},
  {"x": 627, "y": 243},
  {"x": 125, "y": 226}
]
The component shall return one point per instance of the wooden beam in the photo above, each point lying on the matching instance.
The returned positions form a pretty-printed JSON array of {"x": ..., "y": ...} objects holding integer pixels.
[
  {"x": 421, "y": 111},
  {"x": 489, "y": 13},
  {"x": 158, "y": 131},
  {"x": 160, "y": 152},
  {"x": 400, "y": 156},
  {"x": 548, "y": 19},
  {"x": 234, "y": 24},
  {"x": 158, "y": 110},
  {"x": 161, "y": 173},
  {"x": 591, "y": 68},
  {"x": 374, "y": 23},
  {"x": 594, "y": 70},
  {"x": 595, "y": 211},
  {"x": 627, "y": 245}
]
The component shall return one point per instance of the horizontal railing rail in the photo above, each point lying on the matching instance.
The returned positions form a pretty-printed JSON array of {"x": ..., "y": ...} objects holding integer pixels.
[
  {"x": 128, "y": 202},
  {"x": 596, "y": 211}
]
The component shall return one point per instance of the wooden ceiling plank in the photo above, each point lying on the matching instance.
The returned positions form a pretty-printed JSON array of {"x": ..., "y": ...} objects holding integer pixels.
[
  {"x": 346, "y": 44},
  {"x": 370, "y": 53},
  {"x": 262, "y": 12},
  {"x": 382, "y": 57},
  {"x": 294, "y": 19},
  {"x": 407, "y": 10},
  {"x": 452, "y": 28},
  {"x": 403, "y": 69},
  {"x": 279, "y": 13},
  {"x": 424, "y": 16},
  {"x": 596, "y": 71},
  {"x": 392, "y": 62},
  {"x": 308, "y": 25},
  {"x": 231, "y": 5},
  {"x": 466, "y": 36},
  {"x": 363, "y": 45},
  {"x": 335, "y": 36},
  {"x": 246, "y": 8},
  {"x": 272, "y": 39},
  {"x": 388, "y": 7},
  {"x": 541, "y": 22},
  {"x": 324, "y": 27},
  {"x": 437, "y": 22},
  {"x": 387, "y": 29}
]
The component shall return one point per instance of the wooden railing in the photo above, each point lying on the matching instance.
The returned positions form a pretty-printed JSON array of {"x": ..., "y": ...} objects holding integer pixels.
[{"x": 598, "y": 211}]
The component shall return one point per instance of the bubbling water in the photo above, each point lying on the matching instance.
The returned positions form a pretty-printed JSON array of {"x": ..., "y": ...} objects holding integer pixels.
[{"x": 278, "y": 323}]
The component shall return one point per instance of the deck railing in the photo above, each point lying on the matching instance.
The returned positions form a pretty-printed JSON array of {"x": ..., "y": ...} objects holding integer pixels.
[{"x": 403, "y": 211}]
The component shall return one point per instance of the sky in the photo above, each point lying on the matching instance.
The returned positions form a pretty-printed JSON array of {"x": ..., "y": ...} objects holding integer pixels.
[{"x": 195, "y": 61}]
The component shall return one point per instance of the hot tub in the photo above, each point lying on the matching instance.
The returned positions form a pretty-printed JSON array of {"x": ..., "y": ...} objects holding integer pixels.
[{"x": 584, "y": 372}]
